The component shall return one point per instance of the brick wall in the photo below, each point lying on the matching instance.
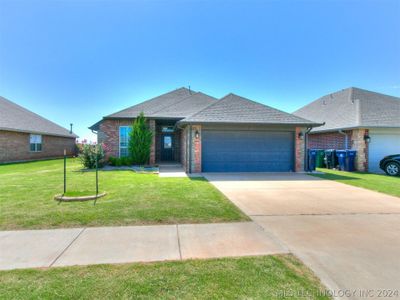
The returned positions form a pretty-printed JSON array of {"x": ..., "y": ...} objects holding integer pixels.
[
  {"x": 14, "y": 146},
  {"x": 328, "y": 140},
  {"x": 109, "y": 135},
  {"x": 196, "y": 150},
  {"x": 358, "y": 143},
  {"x": 299, "y": 150}
]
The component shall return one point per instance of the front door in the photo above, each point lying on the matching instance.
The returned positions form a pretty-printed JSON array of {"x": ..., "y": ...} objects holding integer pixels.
[{"x": 167, "y": 147}]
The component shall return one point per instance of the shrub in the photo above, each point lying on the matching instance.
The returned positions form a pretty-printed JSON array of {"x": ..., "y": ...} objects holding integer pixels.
[
  {"x": 140, "y": 139},
  {"x": 122, "y": 161},
  {"x": 112, "y": 160},
  {"x": 126, "y": 161},
  {"x": 88, "y": 154}
]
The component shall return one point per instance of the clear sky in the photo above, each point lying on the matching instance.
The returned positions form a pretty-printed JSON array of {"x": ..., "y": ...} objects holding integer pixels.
[{"x": 76, "y": 61}]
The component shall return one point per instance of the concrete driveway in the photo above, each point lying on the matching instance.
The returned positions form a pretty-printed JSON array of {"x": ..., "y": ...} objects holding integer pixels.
[{"x": 349, "y": 236}]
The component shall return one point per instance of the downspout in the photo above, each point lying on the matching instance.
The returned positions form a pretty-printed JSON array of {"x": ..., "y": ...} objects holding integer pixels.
[
  {"x": 346, "y": 142},
  {"x": 306, "y": 148}
]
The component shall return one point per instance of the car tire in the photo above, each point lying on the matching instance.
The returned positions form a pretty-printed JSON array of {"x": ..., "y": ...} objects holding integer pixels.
[{"x": 392, "y": 168}]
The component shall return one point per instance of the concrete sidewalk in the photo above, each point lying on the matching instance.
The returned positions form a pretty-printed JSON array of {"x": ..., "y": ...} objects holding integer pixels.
[{"x": 97, "y": 245}]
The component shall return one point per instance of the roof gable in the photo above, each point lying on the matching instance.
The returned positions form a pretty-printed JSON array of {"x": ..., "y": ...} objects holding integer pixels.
[
  {"x": 236, "y": 109},
  {"x": 16, "y": 118},
  {"x": 352, "y": 108}
]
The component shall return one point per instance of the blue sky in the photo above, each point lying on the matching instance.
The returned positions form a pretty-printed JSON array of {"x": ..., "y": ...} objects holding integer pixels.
[{"x": 76, "y": 61}]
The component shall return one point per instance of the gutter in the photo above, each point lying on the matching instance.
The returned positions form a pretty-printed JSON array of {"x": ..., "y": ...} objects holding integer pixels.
[
  {"x": 306, "y": 148},
  {"x": 346, "y": 139},
  {"x": 183, "y": 122}
]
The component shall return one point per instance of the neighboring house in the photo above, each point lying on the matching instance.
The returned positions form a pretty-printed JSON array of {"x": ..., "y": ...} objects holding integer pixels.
[
  {"x": 232, "y": 134},
  {"x": 356, "y": 119},
  {"x": 25, "y": 135}
]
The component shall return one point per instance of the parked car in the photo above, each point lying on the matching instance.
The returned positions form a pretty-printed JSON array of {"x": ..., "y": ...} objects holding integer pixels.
[{"x": 391, "y": 165}]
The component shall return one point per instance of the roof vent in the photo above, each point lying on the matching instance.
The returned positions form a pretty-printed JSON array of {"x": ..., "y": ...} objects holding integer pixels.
[{"x": 70, "y": 126}]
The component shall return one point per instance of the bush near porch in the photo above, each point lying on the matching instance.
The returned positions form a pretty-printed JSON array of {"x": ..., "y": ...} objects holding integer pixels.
[{"x": 27, "y": 191}]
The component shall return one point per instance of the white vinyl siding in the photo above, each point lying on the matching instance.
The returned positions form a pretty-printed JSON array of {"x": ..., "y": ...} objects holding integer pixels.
[
  {"x": 35, "y": 142},
  {"x": 124, "y": 140}
]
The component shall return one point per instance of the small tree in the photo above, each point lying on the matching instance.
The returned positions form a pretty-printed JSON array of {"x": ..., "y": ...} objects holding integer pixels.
[
  {"x": 140, "y": 139},
  {"x": 88, "y": 153}
]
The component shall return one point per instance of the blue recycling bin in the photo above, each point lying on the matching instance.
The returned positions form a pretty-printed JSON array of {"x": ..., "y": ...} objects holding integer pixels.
[
  {"x": 350, "y": 160},
  {"x": 312, "y": 157},
  {"x": 346, "y": 159},
  {"x": 341, "y": 155}
]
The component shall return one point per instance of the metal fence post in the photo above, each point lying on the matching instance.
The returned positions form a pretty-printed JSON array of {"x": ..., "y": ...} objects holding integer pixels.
[
  {"x": 97, "y": 171},
  {"x": 65, "y": 171}
]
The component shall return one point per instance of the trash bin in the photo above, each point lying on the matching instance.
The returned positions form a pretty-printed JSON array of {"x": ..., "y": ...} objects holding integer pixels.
[
  {"x": 346, "y": 159},
  {"x": 312, "y": 155},
  {"x": 320, "y": 160},
  {"x": 350, "y": 159},
  {"x": 330, "y": 158},
  {"x": 341, "y": 155}
]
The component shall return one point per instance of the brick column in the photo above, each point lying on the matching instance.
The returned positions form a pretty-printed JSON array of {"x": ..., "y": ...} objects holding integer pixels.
[
  {"x": 152, "y": 126},
  {"x": 358, "y": 143},
  {"x": 299, "y": 150},
  {"x": 196, "y": 149}
]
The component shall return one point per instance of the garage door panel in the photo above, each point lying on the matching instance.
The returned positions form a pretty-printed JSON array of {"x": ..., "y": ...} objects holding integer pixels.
[
  {"x": 247, "y": 151},
  {"x": 382, "y": 143}
]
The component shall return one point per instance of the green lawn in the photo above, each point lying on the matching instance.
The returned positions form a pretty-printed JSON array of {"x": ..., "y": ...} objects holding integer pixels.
[
  {"x": 263, "y": 277},
  {"x": 376, "y": 182},
  {"x": 27, "y": 191}
]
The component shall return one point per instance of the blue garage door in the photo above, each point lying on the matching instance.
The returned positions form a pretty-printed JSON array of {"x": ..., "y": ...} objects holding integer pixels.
[{"x": 247, "y": 151}]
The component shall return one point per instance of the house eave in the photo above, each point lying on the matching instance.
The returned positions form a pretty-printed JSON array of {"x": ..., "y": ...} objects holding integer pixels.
[
  {"x": 72, "y": 136},
  {"x": 183, "y": 122}
]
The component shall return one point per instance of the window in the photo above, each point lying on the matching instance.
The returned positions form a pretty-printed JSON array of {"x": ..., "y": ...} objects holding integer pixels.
[
  {"x": 167, "y": 142},
  {"x": 124, "y": 140},
  {"x": 35, "y": 143},
  {"x": 167, "y": 129}
]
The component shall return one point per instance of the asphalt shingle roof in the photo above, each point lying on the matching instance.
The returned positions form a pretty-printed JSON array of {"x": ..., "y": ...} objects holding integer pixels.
[
  {"x": 353, "y": 108},
  {"x": 16, "y": 118},
  {"x": 236, "y": 109},
  {"x": 154, "y": 105},
  {"x": 186, "y": 107}
]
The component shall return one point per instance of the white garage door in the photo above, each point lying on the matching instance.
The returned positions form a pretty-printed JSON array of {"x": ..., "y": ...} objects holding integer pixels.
[{"x": 383, "y": 142}]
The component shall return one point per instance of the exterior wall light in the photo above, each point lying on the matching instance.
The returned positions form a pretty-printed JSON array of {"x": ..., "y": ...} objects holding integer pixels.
[
  {"x": 301, "y": 135},
  {"x": 367, "y": 138},
  {"x": 197, "y": 134}
]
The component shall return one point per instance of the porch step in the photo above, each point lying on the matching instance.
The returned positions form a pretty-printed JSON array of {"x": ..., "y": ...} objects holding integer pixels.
[
  {"x": 172, "y": 165},
  {"x": 171, "y": 170}
]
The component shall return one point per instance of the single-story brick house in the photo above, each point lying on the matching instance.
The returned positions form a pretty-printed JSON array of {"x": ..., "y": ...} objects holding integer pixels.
[
  {"x": 204, "y": 134},
  {"x": 356, "y": 119},
  {"x": 26, "y": 136}
]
